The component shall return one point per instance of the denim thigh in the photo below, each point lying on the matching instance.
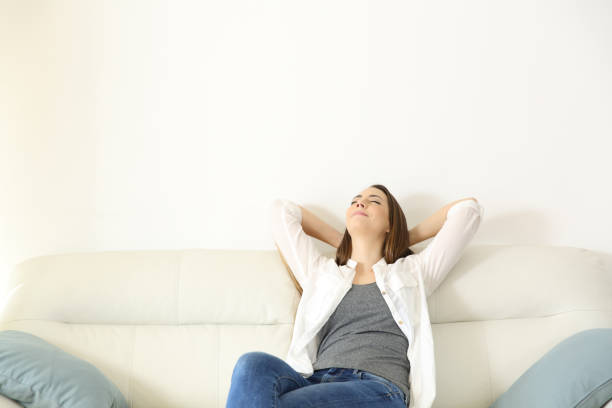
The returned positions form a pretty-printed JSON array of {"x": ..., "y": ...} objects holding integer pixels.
[{"x": 259, "y": 379}]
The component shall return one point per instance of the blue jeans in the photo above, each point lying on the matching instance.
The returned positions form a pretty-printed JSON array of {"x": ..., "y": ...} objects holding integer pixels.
[{"x": 261, "y": 380}]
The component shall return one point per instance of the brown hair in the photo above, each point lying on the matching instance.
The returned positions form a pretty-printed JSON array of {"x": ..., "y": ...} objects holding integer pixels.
[{"x": 395, "y": 245}]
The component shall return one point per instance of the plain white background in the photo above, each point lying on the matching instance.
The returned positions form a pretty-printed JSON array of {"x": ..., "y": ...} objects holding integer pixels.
[{"x": 173, "y": 124}]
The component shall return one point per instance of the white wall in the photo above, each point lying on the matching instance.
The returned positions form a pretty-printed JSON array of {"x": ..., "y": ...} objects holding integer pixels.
[{"x": 172, "y": 124}]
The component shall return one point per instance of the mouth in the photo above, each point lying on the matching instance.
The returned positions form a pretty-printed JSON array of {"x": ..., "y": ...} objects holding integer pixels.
[{"x": 359, "y": 213}]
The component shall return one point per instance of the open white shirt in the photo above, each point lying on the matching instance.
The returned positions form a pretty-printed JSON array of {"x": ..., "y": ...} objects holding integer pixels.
[{"x": 404, "y": 284}]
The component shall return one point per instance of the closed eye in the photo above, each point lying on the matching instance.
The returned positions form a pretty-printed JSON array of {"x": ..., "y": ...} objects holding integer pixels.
[{"x": 352, "y": 202}]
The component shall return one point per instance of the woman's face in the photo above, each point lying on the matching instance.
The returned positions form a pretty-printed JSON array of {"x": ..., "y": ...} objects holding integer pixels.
[{"x": 373, "y": 203}]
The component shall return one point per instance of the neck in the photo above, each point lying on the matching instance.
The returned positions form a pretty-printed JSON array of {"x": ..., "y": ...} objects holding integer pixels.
[{"x": 366, "y": 252}]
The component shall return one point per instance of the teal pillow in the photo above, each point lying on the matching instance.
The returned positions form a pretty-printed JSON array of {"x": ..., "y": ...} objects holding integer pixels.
[
  {"x": 37, "y": 374},
  {"x": 576, "y": 373}
]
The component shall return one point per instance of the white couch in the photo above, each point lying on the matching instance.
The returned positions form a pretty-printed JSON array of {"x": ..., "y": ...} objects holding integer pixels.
[{"x": 168, "y": 326}]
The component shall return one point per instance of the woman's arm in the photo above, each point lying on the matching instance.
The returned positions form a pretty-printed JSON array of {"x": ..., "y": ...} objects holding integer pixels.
[
  {"x": 431, "y": 226},
  {"x": 319, "y": 229}
]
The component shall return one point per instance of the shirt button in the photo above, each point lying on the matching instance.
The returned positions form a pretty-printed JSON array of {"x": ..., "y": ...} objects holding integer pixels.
[
  {"x": 383, "y": 292},
  {"x": 400, "y": 322}
]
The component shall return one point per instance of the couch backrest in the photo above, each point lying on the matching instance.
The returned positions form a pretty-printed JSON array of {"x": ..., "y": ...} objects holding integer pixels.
[{"x": 168, "y": 326}]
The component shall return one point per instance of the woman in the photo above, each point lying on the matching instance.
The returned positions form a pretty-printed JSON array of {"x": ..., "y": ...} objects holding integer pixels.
[{"x": 362, "y": 336}]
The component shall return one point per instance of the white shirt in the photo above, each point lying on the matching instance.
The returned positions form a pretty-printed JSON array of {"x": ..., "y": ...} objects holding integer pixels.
[{"x": 404, "y": 284}]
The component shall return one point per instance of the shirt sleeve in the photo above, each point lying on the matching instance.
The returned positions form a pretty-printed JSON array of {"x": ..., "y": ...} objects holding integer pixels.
[
  {"x": 297, "y": 247},
  {"x": 443, "y": 252}
]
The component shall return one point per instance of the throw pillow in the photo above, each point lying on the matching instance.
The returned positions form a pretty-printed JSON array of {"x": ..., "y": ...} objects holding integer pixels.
[
  {"x": 576, "y": 373},
  {"x": 38, "y": 374}
]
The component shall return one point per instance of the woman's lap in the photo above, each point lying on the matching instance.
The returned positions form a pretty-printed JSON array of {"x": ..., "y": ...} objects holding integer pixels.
[{"x": 264, "y": 380}]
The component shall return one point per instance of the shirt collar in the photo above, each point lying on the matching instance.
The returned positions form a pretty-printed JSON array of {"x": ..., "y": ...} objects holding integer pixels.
[{"x": 351, "y": 263}]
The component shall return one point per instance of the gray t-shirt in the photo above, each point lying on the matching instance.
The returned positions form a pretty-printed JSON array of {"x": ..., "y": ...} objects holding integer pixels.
[{"x": 362, "y": 334}]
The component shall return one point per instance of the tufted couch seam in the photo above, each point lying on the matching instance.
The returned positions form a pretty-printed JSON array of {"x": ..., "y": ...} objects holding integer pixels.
[{"x": 526, "y": 317}]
